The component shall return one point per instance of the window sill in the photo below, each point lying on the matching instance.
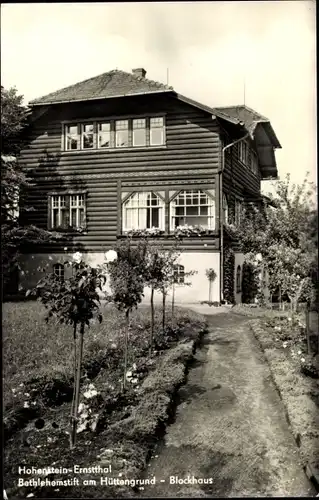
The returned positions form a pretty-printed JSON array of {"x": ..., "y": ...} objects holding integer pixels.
[
  {"x": 113, "y": 150},
  {"x": 211, "y": 234},
  {"x": 69, "y": 232}
]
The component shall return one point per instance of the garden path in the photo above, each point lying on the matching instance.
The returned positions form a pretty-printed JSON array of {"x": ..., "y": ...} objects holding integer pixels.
[{"x": 230, "y": 424}]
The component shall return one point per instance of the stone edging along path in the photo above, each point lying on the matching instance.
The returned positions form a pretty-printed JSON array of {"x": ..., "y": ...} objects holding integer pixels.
[{"x": 301, "y": 410}]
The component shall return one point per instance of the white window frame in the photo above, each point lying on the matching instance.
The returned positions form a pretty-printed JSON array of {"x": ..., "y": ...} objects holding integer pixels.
[
  {"x": 155, "y": 122},
  {"x": 101, "y": 132},
  {"x": 128, "y": 204},
  {"x": 156, "y": 126},
  {"x": 63, "y": 202},
  {"x": 119, "y": 129},
  {"x": 67, "y": 134},
  {"x": 83, "y": 125},
  {"x": 195, "y": 192},
  {"x": 61, "y": 206},
  {"x": 135, "y": 127},
  {"x": 179, "y": 274},
  {"x": 59, "y": 270},
  {"x": 78, "y": 207}
]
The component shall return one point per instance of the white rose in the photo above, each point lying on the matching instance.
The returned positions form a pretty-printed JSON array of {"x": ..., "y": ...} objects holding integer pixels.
[
  {"x": 110, "y": 256},
  {"x": 77, "y": 257}
]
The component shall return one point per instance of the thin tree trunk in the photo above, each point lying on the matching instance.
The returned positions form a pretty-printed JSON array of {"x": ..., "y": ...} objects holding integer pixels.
[
  {"x": 77, "y": 387},
  {"x": 127, "y": 322},
  {"x": 152, "y": 322},
  {"x": 308, "y": 331},
  {"x": 74, "y": 379},
  {"x": 210, "y": 291},
  {"x": 173, "y": 302},
  {"x": 163, "y": 312},
  {"x": 280, "y": 301}
]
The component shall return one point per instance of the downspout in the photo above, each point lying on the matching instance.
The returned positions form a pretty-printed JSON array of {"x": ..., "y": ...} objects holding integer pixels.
[{"x": 221, "y": 216}]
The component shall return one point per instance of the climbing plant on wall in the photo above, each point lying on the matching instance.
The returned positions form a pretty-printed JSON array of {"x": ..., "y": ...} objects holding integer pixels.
[{"x": 229, "y": 274}]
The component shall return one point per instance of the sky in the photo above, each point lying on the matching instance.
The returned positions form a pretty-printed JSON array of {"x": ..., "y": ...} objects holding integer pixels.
[{"x": 262, "y": 53}]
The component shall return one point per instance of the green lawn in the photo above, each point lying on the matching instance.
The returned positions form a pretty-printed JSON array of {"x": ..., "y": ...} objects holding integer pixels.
[
  {"x": 39, "y": 357},
  {"x": 34, "y": 349}
]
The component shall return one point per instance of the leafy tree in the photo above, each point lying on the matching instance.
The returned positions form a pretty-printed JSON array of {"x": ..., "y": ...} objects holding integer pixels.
[
  {"x": 280, "y": 235},
  {"x": 127, "y": 274},
  {"x": 74, "y": 301},
  {"x": 13, "y": 182}
]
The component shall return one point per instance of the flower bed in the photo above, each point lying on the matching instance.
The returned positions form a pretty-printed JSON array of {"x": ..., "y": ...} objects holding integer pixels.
[
  {"x": 285, "y": 348},
  {"x": 115, "y": 428}
]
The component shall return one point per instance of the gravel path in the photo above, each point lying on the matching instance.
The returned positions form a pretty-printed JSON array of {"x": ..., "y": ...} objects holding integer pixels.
[{"x": 230, "y": 425}]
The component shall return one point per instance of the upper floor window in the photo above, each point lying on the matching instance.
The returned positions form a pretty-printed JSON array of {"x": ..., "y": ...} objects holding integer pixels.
[
  {"x": 143, "y": 210},
  {"x": 132, "y": 132},
  {"x": 193, "y": 207},
  {"x": 87, "y": 136},
  {"x": 139, "y": 132},
  {"x": 104, "y": 135},
  {"x": 243, "y": 150},
  {"x": 179, "y": 274},
  {"x": 72, "y": 137},
  {"x": 156, "y": 131},
  {"x": 58, "y": 270},
  {"x": 225, "y": 209},
  {"x": 67, "y": 211},
  {"x": 121, "y": 131}
]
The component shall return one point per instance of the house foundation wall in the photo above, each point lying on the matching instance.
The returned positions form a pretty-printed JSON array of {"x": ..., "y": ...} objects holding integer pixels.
[{"x": 32, "y": 271}]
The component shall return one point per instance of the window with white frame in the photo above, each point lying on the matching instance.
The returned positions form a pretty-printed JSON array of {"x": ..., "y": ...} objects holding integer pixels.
[
  {"x": 179, "y": 274},
  {"x": 104, "y": 135},
  {"x": 87, "y": 136},
  {"x": 59, "y": 214},
  {"x": 238, "y": 211},
  {"x": 144, "y": 131},
  {"x": 143, "y": 210},
  {"x": 77, "y": 210},
  {"x": 193, "y": 207},
  {"x": 225, "y": 209},
  {"x": 67, "y": 211},
  {"x": 58, "y": 270},
  {"x": 121, "y": 133},
  {"x": 72, "y": 137},
  {"x": 157, "y": 131},
  {"x": 139, "y": 132}
]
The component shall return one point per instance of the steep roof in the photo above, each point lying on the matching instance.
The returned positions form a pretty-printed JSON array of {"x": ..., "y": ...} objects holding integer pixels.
[
  {"x": 114, "y": 83},
  {"x": 250, "y": 118}
]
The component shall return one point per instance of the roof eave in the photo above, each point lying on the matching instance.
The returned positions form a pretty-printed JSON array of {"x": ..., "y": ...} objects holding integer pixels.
[{"x": 47, "y": 103}]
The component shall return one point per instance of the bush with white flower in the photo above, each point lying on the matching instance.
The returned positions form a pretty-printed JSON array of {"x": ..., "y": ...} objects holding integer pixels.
[
  {"x": 190, "y": 230},
  {"x": 75, "y": 301}
]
